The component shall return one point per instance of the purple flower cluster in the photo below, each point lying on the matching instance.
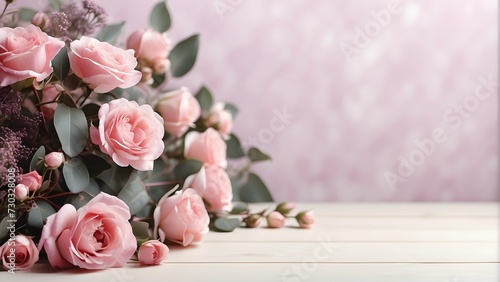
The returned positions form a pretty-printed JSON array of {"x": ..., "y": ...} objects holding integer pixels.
[{"x": 74, "y": 21}]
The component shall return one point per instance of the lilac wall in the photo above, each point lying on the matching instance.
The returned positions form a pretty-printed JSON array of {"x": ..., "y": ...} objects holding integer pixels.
[{"x": 354, "y": 116}]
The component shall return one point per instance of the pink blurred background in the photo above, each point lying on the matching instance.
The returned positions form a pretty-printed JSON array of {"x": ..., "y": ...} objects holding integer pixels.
[{"x": 356, "y": 116}]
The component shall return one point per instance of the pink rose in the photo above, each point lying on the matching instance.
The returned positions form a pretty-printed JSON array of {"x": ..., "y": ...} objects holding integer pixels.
[
  {"x": 220, "y": 119},
  {"x": 151, "y": 49},
  {"x": 21, "y": 192},
  {"x": 179, "y": 110},
  {"x": 305, "y": 219},
  {"x": 19, "y": 253},
  {"x": 103, "y": 66},
  {"x": 181, "y": 218},
  {"x": 26, "y": 52},
  {"x": 41, "y": 20},
  {"x": 96, "y": 236},
  {"x": 32, "y": 180},
  {"x": 152, "y": 252},
  {"x": 208, "y": 147},
  {"x": 54, "y": 160},
  {"x": 275, "y": 220},
  {"x": 213, "y": 185},
  {"x": 49, "y": 95},
  {"x": 129, "y": 133}
]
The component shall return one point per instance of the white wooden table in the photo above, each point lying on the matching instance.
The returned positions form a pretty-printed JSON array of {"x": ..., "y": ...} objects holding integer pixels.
[{"x": 452, "y": 242}]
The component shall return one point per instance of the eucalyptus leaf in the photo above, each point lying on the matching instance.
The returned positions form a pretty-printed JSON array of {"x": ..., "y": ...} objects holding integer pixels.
[
  {"x": 72, "y": 129},
  {"x": 231, "y": 108},
  {"x": 95, "y": 164},
  {"x": 134, "y": 194},
  {"x": 226, "y": 224},
  {"x": 60, "y": 64},
  {"x": 204, "y": 98},
  {"x": 84, "y": 197},
  {"x": 39, "y": 213},
  {"x": 183, "y": 56},
  {"x": 158, "y": 79},
  {"x": 110, "y": 33},
  {"x": 26, "y": 14},
  {"x": 254, "y": 190},
  {"x": 76, "y": 175},
  {"x": 239, "y": 208},
  {"x": 234, "y": 149},
  {"x": 256, "y": 155},
  {"x": 140, "y": 229},
  {"x": 116, "y": 178},
  {"x": 37, "y": 160},
  {"x": 186, "y": 168},
  {"x": 160, "y": 17},
  {"x": 3, "y": 227}
]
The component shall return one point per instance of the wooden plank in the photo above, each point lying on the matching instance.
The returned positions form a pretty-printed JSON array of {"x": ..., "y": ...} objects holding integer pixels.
[
  {"x": 368, "y": 210},
  {"x": 275, "y": 272},
  {"x": 353, "y": 235},
  {"x": 344, "y": 252}
]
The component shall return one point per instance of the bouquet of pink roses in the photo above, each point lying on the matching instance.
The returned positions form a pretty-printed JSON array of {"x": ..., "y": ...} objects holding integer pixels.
[{"x": 99, "y": 160}]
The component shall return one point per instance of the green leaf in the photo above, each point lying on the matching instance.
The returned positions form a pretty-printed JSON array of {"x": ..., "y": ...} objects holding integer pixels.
[
  {"x": 95, "y": 164},
  {"x": 146, "y": 211},
  {"x": 84, "y": 197},
  {"x": 158, "y": 79},
  {"x": 110, "y": 33},
  {"x": 72, "y": 129},
  {"x": 60, "y": 64},
  {"x": 205, "y": 99},
  {"x": 231, "y": 108},
  {"x": 234, "y": 149},
  {"x": 26, "y": 14},
  {"x": 37, "y": 160},
  {"x": 116, "y": 178},
  {"x": 140, "y": 229},
  {"x": 183, "y": 56},
  {"x": 256, "y": 155},
  {"x": 39, "y": 213},
  {"x": 239, "y": 208},
  {"x": 134, "y": 194},
  {"x": 235, "y": 185},
  {"x": 255, "y": 190},
  {"x": 226, "y": 224},
  {"x": 3, "y": 227},
  {"x": 76, "y": 175},
  {"x": 160, "y": 17},
  {"x": 186, "y": 168}
]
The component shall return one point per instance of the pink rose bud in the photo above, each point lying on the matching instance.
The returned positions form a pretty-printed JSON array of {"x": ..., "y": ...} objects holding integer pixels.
[
  {"x": 305, "y": 219},
  {"x": 151, "y": 49},
  {"x": 152, "y": 252},
  {"x": 252, "y": 221},
  {"x": 147, "y": 75},
  {"x": 161, "y": 66},
  {"x": 220, "y": 119},
  {"x": 54, "y": 160},
  {"x": 19, "y": 254},
  {"x": 179, "y": 109},
  {"x": 32, "y": 180},
  {"x": 285, "y": 208},
  {"x": 41, "y": 20},
  {"x": 21, "y": 192},
  {"x": 275, "y": 220}
]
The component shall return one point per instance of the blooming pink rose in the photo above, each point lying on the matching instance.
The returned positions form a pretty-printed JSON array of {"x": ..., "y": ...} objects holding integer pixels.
[
  {"x": 151, "y": 49},
  {"x": 129, "y": 133},
  {"x": 179, "y": 110},
  {"x": 305, "y": 219},
  {"x": 19, "y": 253},
  {"x": 54, "y": 160},
  {"x": 21, "y": 192},
  {"x": 26, "y": 52},
  {"x": 103, "y": 66},
  {"x": 220, "y": 119},
  {"x": 275, "y": 220},
  {"x": 97, "y": 236},
  {"x": 213, "y": 185},
  {"x": 208, "y": 147},
  {"x": 32, "y": 180},
  {"x": 49, "y": 95},
  {"x": 152, "y": 252},
  {"x": 181, "y": 218}
]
